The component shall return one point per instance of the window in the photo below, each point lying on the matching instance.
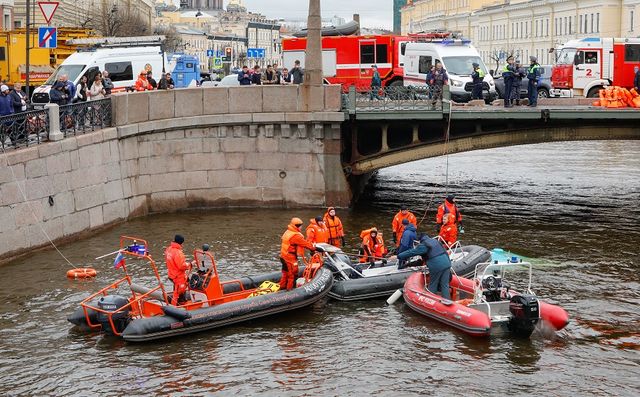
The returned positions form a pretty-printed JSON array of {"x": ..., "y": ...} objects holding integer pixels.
[
  {"x": 381, "y": 53},
  {"x": 119, "y": 71},
  {"x": 591, "y": 57},
  {"x": 18, "y": 24},
  {"x": 598, "y": 22},
  {"x": 631, "y": 21},
  {"x": 536, "y": 28},
  {"x": 585, "y": 23},
  {"x": 512, "y": 29},
  {"x": 564, "y": 29},
  {"x": 521, "y": 29},
  {"x": 424, "y": 64},
  {"x": 3, "y": 54},
  {"x": 632, "y": 53},
  {"x": 591, "y": 23},
  {"x": 555, "y": 26},
  {"x": 547, "y": 28},
  {"x": 367, "y": 54}
]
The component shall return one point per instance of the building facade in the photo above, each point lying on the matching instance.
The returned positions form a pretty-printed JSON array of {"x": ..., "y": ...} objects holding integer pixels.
[
  {"x": 202, "y": 4},
  {"x": 6, "y": 13},
  {"x": 397, "y": 17},
  {"x": 79, "y": 13},
  {"x": 499, "y": 28},
  {"x": 265, "y": 35}
]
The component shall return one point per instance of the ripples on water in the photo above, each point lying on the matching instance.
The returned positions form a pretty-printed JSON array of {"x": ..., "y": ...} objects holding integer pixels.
[{"x": 574, "y": 207}]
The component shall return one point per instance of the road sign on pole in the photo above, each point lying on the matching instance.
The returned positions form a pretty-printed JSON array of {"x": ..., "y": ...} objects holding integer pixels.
[
  {"x": 48, "y": 8},
  {"x": 210, "y": 53},
  {"x": 47, "y": 37},
  {"x": 217, "y": 62},
  {"x": 255, "y": 53}
]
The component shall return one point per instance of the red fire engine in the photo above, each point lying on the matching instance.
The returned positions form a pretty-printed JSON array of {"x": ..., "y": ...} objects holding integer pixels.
[
  {"x": 585, "y": 66},
  {"x": 347, "y": 60}
]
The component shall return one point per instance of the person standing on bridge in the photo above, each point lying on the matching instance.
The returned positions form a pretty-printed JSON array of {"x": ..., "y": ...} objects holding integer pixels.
[
  {"x": 518, "y": 75},
  {"x": 508, "y": 74},
  {"x": 478, "y": 77},
  {"x": 397, "y": 225},
  {"x": 244, "y": 77},
  {"x": 376, "y": 83},
  {"x": 439, "y": 78},
  {"x": 334, "y": 224},
  {"x": 177, "y": 267},
  {"x": 293, "y": 244},
  {"x": 533, "y": 74},
  {"x": 448, "y": 207}
]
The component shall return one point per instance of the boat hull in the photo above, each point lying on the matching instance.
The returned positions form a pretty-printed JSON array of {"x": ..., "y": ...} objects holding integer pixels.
[
  {"x": 165, "y": 326},
  {"x": 386, "y": 284}
]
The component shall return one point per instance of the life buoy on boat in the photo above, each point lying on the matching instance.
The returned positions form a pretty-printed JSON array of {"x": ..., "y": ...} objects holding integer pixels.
[{"x": 82, "y": 272}]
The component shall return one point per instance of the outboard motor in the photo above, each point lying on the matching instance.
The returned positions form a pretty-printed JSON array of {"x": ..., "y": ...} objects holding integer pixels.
[
  {"x": 111, "y": 303},
  {"x": 526, "y": 313}
]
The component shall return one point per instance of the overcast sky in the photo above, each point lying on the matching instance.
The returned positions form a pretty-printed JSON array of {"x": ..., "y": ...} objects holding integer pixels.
[{"x": 373, "y": 13}]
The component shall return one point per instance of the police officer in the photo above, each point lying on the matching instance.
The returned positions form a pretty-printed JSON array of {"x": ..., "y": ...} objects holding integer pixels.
[
  {"x": 519, "y": 74},
  {"x": 508, "y": 74},
  {"x": 478, "y": 78},
  {"x": 533, "y": 74}
]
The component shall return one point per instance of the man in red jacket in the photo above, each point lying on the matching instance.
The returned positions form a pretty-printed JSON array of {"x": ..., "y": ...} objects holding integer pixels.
[{"x": 177, "y": 266}]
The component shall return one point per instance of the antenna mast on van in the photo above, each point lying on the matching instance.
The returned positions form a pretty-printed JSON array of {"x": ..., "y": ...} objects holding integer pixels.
[{"x": 117, "y": 42}]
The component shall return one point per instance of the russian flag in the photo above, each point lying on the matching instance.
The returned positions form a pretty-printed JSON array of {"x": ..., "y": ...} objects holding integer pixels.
[{"x": 119, "y": 260}]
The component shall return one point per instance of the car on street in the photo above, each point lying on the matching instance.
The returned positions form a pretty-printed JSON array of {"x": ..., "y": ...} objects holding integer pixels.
[
  {"x": 543, "y": 89},
  {"x": 227, "y": 81}
]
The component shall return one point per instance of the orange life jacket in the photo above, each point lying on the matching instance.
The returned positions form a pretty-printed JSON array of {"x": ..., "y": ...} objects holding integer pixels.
[
  {"x": 398, "y": 227},
  {"x": 449, "y": 232},
  {"x": 334, "y": 224},
  {"x": 448, "y": 208},
  {"x": 317, "y": 233},
  {"x": 374, "y": 246},
  {"x": 293, "y": 243}
]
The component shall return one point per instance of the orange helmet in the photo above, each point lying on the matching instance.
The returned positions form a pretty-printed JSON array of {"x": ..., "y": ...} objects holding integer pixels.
[{"x": 297, "y": 222}]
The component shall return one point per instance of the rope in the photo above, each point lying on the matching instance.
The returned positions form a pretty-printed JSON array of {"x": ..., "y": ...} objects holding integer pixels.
[
  {"x": 24, "y": 196},
  {"x": 445, "y": 153}
]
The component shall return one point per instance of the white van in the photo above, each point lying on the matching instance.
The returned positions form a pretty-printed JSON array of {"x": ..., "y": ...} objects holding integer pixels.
[
  {"x": 457, "y": 57},
  {"x": 124, "y": 64}
]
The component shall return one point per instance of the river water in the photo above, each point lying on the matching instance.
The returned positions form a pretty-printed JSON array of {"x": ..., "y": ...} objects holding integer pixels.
[{"x": 573, "y": 207}]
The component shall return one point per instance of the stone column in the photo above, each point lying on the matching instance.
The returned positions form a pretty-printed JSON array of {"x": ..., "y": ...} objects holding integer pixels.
[
  {"x": 312, "y": 91},
  {"x": 54, "y": 122}
]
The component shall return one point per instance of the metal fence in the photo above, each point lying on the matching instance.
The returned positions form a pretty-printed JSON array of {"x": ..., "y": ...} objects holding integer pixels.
[
  {"x": 84, "y": 117},
  {"x": 24, "y": 129},
  {"x": 416, "y": 98}
]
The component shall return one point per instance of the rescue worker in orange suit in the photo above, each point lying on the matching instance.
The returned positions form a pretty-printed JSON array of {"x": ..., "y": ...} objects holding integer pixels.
[
  {"x": 398, "y": 227},
  {"x": 177, "y": 266},
  {"x": 293, "y": 244},
  {"x": 372, "y": 245},
  {"x": 142, "y": 84},
  {"x": 317, "y": 231},
  {"x": 449, "y": 231},
  {"x": 448, "y": 207},
  {"x": 334, "y": 224}
]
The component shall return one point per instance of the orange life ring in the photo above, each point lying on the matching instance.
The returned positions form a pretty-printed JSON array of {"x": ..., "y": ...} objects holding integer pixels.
[{"x": 82, "y": 272}]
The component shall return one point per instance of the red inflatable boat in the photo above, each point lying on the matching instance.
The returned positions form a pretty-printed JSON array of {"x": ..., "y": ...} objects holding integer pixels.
[{"x": 485, "y": 305}]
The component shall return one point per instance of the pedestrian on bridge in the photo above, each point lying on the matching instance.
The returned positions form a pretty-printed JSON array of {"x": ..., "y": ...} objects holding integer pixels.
[
  {"x": 439, "y": 79},
  {"x": 508, "y": 74},
  {"x": 518, "y": 75},
  {"x": 376, "y": 83},
  {"x": 478, "y": 78},
  {"x": 533, "y": 74}
]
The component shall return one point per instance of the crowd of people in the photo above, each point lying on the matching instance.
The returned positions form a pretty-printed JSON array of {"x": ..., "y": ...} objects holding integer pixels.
[
  {"x": 328, "y": 229},
  {"x": 273, "y": 75}
]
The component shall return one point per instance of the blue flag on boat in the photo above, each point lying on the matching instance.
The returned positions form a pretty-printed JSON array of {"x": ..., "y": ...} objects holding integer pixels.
[{"x": 119, "y": 261}]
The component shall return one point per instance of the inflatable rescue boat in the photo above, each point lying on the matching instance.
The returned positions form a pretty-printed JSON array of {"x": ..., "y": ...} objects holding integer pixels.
[
  {"x": 138, "y": 314},
  {"x": 485, "y": 304},
  {"x": 381, "y": 279}
]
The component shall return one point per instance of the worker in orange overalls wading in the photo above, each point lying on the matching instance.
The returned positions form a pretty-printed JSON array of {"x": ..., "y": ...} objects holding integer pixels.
[
  {"x": 177, "y": 266},
  {"x": 398, "y": 227},
  {"x": 293, "y": 244},
  {"x": 317, "y": 231},
  {"x": 334, "y": 224},
  {"x": 372, "y": 245}
]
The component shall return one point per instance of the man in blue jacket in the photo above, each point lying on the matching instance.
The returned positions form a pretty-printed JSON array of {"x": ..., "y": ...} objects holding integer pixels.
[
  {"x": 244, "y": 77},
  {"x": 408, "y": 236},
  {"x": 438, "y": 263}
]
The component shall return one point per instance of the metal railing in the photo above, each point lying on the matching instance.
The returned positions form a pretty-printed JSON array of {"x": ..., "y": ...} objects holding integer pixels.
[
  {"x": 84, "y": 117},
  {"x": 410, "y": 98},
  {"x": 24, "y": 129}
]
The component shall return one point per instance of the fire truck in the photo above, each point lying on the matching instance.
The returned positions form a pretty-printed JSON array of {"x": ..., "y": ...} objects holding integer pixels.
[
  {"x": 347, "y": 60},
  {"x": 584, "y": 66}
]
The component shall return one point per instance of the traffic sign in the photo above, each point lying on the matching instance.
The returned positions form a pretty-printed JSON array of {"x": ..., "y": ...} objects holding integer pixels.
[
  {"x": 255, "y": 53},
  {"x": 217, "y": 62},
  {"x": 48, "y": 8},
  {"x": 210, "y": 53},
  {"x": 47, "y": 37}
]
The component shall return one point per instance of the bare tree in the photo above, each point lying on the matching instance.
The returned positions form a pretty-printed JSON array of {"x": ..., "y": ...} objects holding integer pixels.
[
  {"x": 117, "y": 22},
  {"x": 499, "y": 56},
  {"x": 172, "y": 41}
]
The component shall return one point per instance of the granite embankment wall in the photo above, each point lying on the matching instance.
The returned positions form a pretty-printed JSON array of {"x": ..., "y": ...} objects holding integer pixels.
[{"x": 171, "y": 150}]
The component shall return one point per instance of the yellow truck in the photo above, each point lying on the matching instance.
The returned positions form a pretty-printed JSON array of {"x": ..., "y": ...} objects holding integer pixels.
[{"x": 43, "y": 61}]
